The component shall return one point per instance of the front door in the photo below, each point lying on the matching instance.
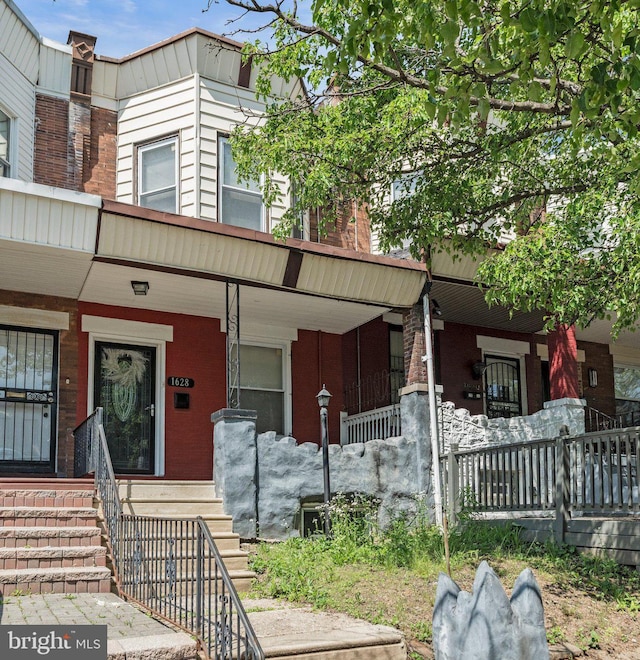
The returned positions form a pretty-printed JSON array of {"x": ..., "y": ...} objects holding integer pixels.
[
  {"x": 124, "y": 386},
  {"x": 28, "y": 399},
  {"x": 502, "y": 386}
]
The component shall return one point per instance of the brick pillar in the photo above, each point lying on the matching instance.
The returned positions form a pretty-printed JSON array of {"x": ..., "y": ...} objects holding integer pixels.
[
  {"x": 563, "y": 362},
  {"x": 414, "y": 346}
]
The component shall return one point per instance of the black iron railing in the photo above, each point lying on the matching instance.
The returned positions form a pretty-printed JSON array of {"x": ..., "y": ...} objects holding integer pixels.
[
  {"x": 374, "y": 391},
  {"x": 169, "y": 566},
  {"x": 595, "y": 420}
]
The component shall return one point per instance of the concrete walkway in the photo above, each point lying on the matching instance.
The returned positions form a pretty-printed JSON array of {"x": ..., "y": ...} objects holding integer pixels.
[
  {"x": 284, "y": 630},
  {"x": 131, "y": 634}
]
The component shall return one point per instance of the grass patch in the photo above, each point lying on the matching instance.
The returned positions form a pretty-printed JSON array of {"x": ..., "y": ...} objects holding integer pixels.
[{"x": 389, "y": 576}]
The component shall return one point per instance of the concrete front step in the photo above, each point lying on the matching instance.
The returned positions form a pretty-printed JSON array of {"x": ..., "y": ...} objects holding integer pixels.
[
  {"x": 234, "y": 560},
  {"x": 37, "y": 536},
  {"x": 180, "y": 508},
  {"x": 300, "y": 633},
  {"x": 184, "y": 584},
  {"x": 166, "y": 490},
  {"x": 53, "y": 557},
  {"x": 55, "y": 580},
  {"x": 47, "y": 516}
]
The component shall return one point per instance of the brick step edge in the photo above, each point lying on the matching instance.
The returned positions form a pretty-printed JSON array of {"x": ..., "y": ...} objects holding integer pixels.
[
  {"x": 62, "y": 557},
  {"x": 40, "y": 497},
  {"x": 47, "y": 551},
  {"x": 29, "y": 511},
  {"x": 19, "y": 536}
]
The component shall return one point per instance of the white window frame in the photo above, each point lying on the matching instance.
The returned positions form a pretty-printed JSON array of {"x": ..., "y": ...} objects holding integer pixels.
[
  {"x": 285, "y": 346},
  {"x": 7, "y": 164},
  {"x": 222, "y": 140},
  {"x": 141, "y": 149}
]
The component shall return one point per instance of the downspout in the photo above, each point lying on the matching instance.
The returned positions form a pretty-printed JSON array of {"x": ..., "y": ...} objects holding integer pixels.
[{"x": 427, "y": 359}]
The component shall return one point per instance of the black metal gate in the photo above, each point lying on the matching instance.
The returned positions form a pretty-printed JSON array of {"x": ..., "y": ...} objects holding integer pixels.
[
  {"x": 502, "y": 387},
  {"x": 28, "y": 399}
]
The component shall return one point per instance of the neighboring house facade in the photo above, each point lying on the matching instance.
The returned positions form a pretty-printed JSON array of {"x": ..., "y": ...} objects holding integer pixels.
[{"x": 136, "y": 272}]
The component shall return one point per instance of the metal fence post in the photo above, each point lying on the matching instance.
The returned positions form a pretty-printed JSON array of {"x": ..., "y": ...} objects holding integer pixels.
[
  {"x": 453, "y": 483},
  {"x": 562, "y": 490}
]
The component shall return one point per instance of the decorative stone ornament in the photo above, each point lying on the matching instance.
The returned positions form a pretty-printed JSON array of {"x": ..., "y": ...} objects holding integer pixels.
[{"x": 485, "y": 624}]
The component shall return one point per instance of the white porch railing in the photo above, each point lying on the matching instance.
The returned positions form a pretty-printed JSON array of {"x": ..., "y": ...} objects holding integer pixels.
[{"x": 378, "y": 424}]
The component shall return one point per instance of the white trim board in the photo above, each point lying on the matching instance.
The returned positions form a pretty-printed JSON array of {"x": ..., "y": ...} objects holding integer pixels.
[
  {"x": 127, "y": 329},
  {"x": 29, "y": 317}
]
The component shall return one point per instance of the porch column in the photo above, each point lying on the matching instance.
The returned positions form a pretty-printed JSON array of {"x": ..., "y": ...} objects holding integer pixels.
[
  {"x": 414, "y": 345},
  {"x": 414, "y": 400},
  {"x": 235, "y": 467},
  {"x": 563, "y": 362}
]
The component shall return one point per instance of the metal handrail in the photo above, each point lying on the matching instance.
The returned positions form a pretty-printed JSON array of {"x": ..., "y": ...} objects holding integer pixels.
[{"x": 169, "y": 566}]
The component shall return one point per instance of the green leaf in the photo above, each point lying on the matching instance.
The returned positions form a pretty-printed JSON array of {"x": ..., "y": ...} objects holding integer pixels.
[{"x": 575, "y": 44}]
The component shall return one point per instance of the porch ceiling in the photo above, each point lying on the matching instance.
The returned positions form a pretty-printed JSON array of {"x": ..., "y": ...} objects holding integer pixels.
[
  {"x": 465, "y": 303},
  {"x": 47, "y": 270},
  {"x": 190, "y": 294}
]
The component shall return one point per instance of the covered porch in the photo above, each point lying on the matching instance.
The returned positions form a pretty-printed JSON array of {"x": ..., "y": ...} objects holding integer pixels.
[{"x": 163, "y": 319}]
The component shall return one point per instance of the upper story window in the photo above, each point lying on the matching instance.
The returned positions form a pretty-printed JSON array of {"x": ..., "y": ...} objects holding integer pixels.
[
  {"x": 240, "y": 204},
  {"x": 5, "y": 142},
  {"x": 158, "y": 175}
]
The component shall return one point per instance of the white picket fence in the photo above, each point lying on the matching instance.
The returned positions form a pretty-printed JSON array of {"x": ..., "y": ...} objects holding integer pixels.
[{"x": 378, "y": 424}]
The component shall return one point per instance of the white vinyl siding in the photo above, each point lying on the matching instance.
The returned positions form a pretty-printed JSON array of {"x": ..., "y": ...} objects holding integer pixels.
[
  {"x": 158, "y": 175},
  {"x": 144, "y": 119},
  {"x": 220, "y": 111},
  {"x": 19, "y": 100}
]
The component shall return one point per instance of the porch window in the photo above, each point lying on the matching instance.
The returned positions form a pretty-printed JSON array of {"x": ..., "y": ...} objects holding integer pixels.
[
  {"x": 5, "y": 137},
  {"x": 158, "y": 175},
  {"x": 262, "y": 385},
  {"x": 240, "y": 203},
  {"x": 627, "y": 391}
]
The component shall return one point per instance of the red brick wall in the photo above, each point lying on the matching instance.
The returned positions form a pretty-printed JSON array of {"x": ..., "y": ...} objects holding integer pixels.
[
  {"x": 52, "y": 163},
  {"x": 563, "y": 362},
  {"x": 99, "y": 174},
  {"x": 459, "y": 351},
  {"x": 316, "y": 360},
  {"x": 414, "y": 346},
  {"x": 75, "y": 146},
  {"x": 351, "y": 230},
  {"x": 601, "y": 397},
  {"x": 197, "y": 351},
  {"x": 374, "y": 360},
  {"x": 68, "y": 377}
]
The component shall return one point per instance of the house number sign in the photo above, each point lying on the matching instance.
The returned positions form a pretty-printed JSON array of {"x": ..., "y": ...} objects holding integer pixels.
[{"x": 180, "y": 381}]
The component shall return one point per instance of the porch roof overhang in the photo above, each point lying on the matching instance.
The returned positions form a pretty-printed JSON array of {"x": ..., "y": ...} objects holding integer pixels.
[{"x": 81, "y": 247}]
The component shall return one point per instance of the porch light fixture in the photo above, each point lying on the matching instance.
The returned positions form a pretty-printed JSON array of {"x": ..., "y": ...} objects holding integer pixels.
[
  {"x": 323, "y": 398},
  {"x": 435, "y": 308},
  {"x": 478, "y": 368},
  {"x": 140, "y": 288}
]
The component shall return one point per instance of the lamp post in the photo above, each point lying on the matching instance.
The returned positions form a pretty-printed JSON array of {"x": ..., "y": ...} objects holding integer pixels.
[{"x": 323, "y": 398}]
